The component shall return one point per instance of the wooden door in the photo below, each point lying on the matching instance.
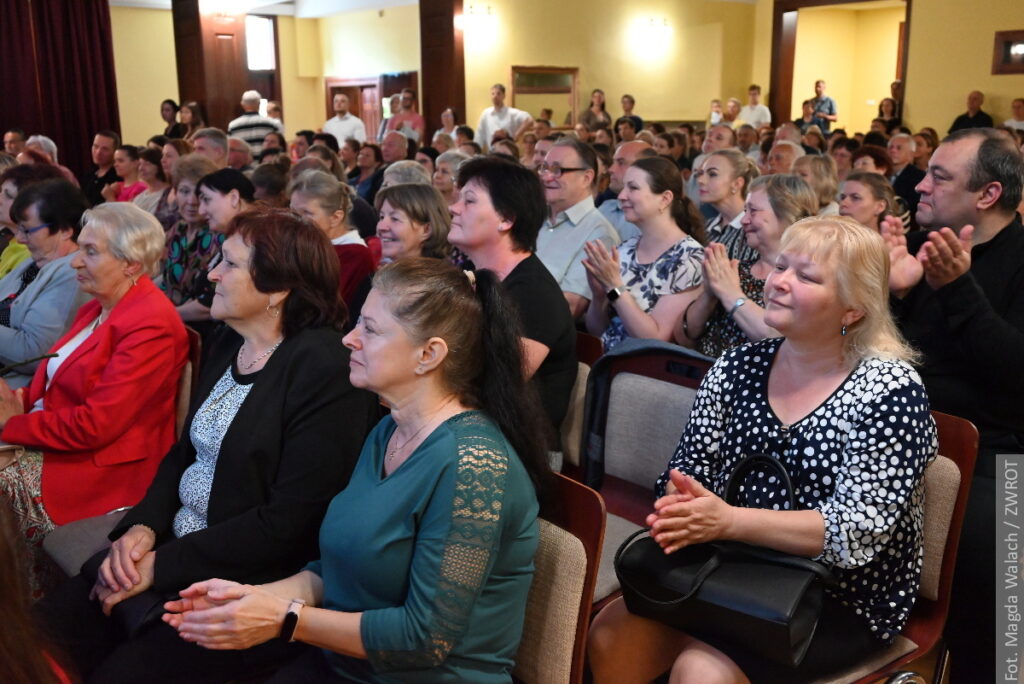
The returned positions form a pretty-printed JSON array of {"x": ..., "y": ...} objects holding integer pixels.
[{"x": 369, "y": 109}]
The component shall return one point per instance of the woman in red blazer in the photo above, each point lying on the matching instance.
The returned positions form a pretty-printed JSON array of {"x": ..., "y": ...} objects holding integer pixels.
[{"x": 98, "y": 417}]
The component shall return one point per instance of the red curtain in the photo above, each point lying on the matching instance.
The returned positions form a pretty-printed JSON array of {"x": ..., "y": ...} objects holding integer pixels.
[
  {"x": 65, "y": 66},
  {"x": 20, "y": 107}
]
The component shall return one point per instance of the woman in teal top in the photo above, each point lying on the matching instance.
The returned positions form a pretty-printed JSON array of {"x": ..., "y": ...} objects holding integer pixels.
[{"x": 427, "y": 555}]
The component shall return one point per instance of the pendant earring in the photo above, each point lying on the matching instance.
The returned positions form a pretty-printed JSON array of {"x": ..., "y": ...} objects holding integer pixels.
[
  {"x": 274, "y": 311},
  {"x": 843, "y": 331}
]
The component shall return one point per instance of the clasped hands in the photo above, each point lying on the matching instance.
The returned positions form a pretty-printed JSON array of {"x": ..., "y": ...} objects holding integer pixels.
[
  {"x": 128, "y": 568},
  {"x": 223, "y": 615},
  {"x": 688, "y": 514},
  {"x": 943, "y": 258}
]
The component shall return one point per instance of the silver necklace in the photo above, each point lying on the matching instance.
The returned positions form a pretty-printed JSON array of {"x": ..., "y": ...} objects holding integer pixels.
[{"x": 258, "y": 358}]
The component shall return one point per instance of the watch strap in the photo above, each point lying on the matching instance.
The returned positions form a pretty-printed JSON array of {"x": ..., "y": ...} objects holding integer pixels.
[{"x": 291, "y": 620}]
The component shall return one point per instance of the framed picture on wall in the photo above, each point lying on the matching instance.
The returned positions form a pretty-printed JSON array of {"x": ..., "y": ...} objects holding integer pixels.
[{"x": 1008, "y": 52}]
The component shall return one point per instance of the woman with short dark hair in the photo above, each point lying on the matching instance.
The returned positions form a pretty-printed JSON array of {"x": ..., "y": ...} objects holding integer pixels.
[
  {"x": 40, "y": 296},
  {"x": 495, "y": 221}
]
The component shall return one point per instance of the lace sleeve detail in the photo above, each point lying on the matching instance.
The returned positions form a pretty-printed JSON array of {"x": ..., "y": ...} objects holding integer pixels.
[{"x": 465, "y": 560}]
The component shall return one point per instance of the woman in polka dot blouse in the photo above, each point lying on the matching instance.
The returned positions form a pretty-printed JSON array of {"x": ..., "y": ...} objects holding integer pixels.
[{"x": 836, "y": 401}]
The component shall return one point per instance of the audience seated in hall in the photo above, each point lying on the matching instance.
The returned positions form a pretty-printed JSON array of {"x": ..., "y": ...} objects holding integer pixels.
[{"x": 592, "y": 226}]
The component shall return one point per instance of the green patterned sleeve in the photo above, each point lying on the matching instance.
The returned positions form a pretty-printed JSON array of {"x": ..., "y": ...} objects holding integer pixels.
[{"x": 455, "y": 550}]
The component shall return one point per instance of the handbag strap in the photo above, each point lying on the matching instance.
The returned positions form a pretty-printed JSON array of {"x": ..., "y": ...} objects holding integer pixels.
[
  {"x": 709, "y": 566},
  {"x": 741, "y": 469}
]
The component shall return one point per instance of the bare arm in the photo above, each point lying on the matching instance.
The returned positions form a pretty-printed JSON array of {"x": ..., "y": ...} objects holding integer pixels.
[
  {"x": 535, "y": 353},
  {"x": 695, "y": 316},
  {"x": 577, "y": 303}
]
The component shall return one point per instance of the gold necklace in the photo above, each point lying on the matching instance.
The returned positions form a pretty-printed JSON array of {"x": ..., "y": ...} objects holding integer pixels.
[{"x": 391, "y": 453}]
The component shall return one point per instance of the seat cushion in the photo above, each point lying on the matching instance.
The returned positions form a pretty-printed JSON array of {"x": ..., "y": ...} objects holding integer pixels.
[
  {"x": 72, "y": 544},
  {"x": 899, "y": 648},
  {"x": 615, "y": 532}
]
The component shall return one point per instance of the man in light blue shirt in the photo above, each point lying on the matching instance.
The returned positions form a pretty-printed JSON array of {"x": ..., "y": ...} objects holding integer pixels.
[
  {"x": 568, "y": 175},
  {"x": 625, "y": 155}
]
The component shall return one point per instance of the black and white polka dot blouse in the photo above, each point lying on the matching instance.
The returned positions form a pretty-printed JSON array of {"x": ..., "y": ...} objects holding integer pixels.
[{"x": 858, "y": 459}]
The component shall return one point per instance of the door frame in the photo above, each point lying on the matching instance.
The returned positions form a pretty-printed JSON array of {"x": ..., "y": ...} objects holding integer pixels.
[{"x": 784, "y": 25}]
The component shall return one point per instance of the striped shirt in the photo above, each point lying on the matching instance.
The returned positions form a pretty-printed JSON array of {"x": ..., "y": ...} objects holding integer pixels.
[{"x": 252, "y": 128}]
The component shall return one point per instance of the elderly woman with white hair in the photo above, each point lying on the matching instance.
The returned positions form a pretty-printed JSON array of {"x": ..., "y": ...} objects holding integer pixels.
[
  {"x": 99, "y": 415},
  {"x": 446, "y": 168}
]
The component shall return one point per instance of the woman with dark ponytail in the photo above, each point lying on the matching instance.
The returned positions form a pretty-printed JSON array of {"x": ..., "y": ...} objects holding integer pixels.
[
  {"x": 642, "y": 288},
  {"x": 427, "y": 555}
]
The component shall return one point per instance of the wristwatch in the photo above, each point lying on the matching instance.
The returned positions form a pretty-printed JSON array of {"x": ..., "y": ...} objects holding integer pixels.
[
  {"x": 291, "y": 620},
  {"x": 737, "y": 304},
  {"x": 613, "y": 294}
]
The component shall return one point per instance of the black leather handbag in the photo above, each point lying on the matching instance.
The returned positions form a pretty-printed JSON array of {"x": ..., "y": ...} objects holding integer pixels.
[{"x": 763, "y": 600}]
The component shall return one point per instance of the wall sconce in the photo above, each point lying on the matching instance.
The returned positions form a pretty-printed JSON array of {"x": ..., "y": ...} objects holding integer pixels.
[
  {"x": 479, "y": 23},
  {"x": 650, "y": 36}
]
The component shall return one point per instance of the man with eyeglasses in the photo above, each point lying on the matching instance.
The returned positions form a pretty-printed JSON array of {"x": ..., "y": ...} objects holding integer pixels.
[{"x": 568, "y": 174}]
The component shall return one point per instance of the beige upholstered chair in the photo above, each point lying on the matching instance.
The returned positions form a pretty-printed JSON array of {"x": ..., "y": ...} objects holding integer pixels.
[{"x": 554, "y": 639}]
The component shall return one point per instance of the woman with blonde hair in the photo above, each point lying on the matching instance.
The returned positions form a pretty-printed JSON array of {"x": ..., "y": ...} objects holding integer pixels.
[
  {"x": 723, "y": 181},
  {"x": 414, "y": 221},
  {"x": 729, "y": 310},
  {"x": 868, "y": 198},
  {"x": 819, "y": 170},
  {"x": 821, "y": 399}
]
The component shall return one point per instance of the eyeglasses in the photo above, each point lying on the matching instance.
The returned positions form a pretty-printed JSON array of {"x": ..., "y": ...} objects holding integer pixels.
[
  {"x": 556, "y": 171},
  {"x": 22, "y": 230}
]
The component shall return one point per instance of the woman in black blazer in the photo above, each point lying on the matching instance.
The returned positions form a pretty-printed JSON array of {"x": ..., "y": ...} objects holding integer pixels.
[{"x": 273, "y": 435}]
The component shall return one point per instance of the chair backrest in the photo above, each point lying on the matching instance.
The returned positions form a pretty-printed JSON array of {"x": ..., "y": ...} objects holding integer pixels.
[
  {"x": 189, "y": 380},
  {"x": 554, "y": 640},
  {"x": 588, "y": 348},
  {"x": 648, "y": 398},
  {"x": 572, "y": 425},
  {"x": 646, "y": 417},
  {"x": 946, "y": 495}
]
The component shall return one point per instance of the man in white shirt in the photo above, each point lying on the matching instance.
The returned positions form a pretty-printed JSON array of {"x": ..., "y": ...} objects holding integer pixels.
[
  {"x": 568, "y": 175},
  {"x": 343, "y": 125},
  {"x": 755, "y": 113},
  {"x": 1017, "y": 121},
  {"x": 498, "y": 116}
]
